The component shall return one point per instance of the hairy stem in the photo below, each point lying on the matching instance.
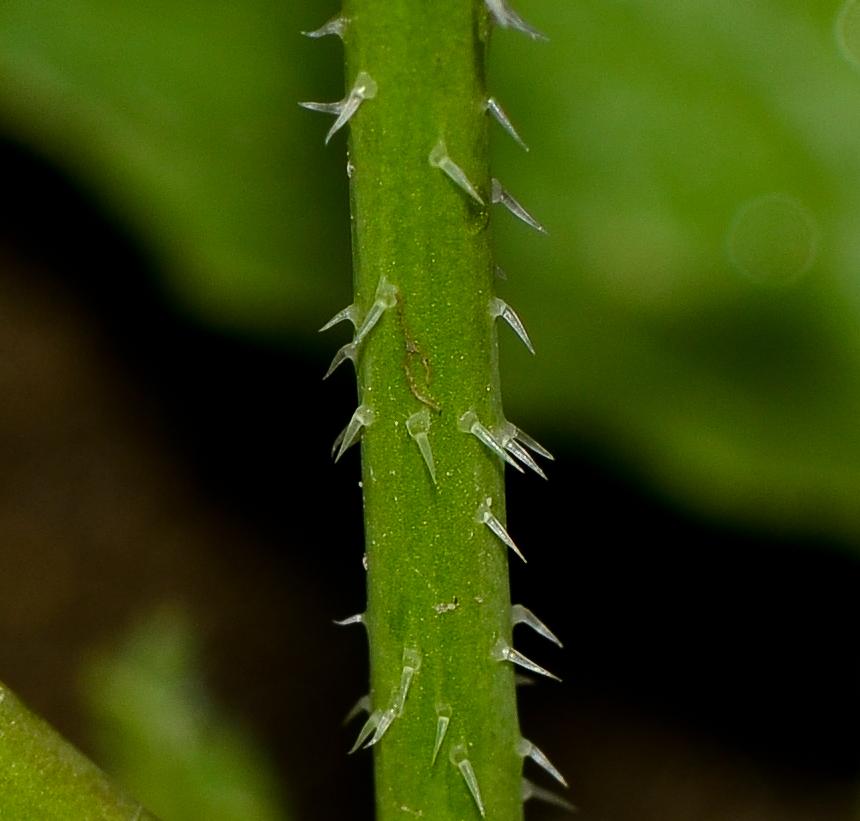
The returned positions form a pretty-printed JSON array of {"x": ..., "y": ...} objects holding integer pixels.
[
  {"x": 442, "y": 705},
  {"x": 437, "y": 576}
]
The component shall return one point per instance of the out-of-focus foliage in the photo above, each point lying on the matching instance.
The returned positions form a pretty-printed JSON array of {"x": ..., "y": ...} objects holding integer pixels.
[
  {"x": 183, "y": 119},
  {"x": 165, "y": 740},
  {"x": 696, "y": 308}
]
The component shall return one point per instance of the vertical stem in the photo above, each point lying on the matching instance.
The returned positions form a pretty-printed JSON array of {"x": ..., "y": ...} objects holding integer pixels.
[{"x": 438, "y": 596}]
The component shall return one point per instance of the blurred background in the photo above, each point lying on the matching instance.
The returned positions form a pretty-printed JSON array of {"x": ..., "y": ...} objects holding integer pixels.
[{"x": 174, "y": 540}]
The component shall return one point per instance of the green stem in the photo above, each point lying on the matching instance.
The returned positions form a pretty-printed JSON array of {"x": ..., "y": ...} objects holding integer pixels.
[
  {"x": 443, "y": 719},
  {"x": 439, "y": 611},
  {"x": 44, "y": 778}
]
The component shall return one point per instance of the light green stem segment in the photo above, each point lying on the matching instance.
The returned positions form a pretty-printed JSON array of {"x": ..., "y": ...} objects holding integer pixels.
[
  {"x": 438, "y": 594},
  {"x": 44, "y": 778}
]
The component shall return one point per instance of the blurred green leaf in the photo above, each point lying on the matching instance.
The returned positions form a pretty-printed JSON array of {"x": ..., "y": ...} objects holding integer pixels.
[
  {"x": 662, "y": 125},
  {"x": 696, "y": 308},
  {"x": 183, "y": 119},
  {"x": 162, "y": 736}
]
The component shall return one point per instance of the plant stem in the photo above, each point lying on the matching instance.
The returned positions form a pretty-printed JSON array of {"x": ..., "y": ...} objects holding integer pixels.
[
  {"x": 44, "y": 778},
  {"x": 438, "y": 596}
]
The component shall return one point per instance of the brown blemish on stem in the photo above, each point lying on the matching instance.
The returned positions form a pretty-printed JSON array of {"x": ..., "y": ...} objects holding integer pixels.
[{"x": 413, "y": 352}]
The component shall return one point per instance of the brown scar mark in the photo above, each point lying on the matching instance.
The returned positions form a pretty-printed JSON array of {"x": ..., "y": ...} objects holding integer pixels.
[{"x": 413, "y": 351}]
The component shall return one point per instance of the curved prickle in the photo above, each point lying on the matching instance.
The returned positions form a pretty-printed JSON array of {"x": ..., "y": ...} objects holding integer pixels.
[
  {"x": 385, "y": 721},
  {"x": 349, "y": 313},
  {"x": 363, "y": 705},
  {"x": 385, "y": 298},
  {"x": 503, "y": 15},
  {"x": 530, "y": 443},
  {"x": 418, "y": 426},
  {"x": 522, "y": 615},
  {"x": 525, "y": 749},
  {"x": 380, "y": 720},
  {"x": 510, "y": 437},
  {"x": 443, "y": 719},
  {"x": 498, "y": 307},
  {"x": 336, "y": 26},
  {"x": 530, "y": 790},
  {"x": 411, "y": 665},
  {"x": 502, "y": 651},
  {"x": 469, "y": 423},
  {"x": 358, "y": 618},
  {"x": 439, "y": 159},
  {"x": 362, "y": 418},
  {"x": 502, "y": 119},
  {"x": 522, "y": 454},
  {"x": 344, "y": 110},
  {"x": 501, "y": 196},
  {"x": 459, "y": 760},
  {"x": 370, "y": 725},
  {"x": 486, "y": 516},
  {"x": 348, "y": 351}
]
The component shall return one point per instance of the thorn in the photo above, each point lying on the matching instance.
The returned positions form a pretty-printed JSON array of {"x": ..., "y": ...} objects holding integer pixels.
[
  {"x": 362, "y": 418},
  {"x": 468, "y": 423},
  {"x": 443, "y": 711},
  {"x": 385, "y": 721},
  {"x": 485, "y": 515},
  {"x": 507, "y": 436},
  {"x": 498, "y": 307},
  {"x": 338, "y": 441},
  {"x": 523, "y": 681},
  {"x": 525, "y": 749},
  {"x": 522, "y": 615},
  {"x": 347, "y": 313},
  {"x": 504, "y": 16},
  {"x": 503, "y": 652},
  {"x": 348, "y": 351},
  {"x": 514, "y": 447},
  {"x": 529, "y": 790},
  {"x": 417, "y": 426},
  {"x": 384, "y": 298},
  {"x": 502, "y": 119},
  {"x": 324, "y": 108},
  {"x": 500, "y": 274},
  {"x": 533, "y": 446},
  {"x": 411, "y": 665},
  {"x": 363, "y": 705},
  {"x": 337, "y": 26},
  {"x": 459, "y": 760},
  {"x": 500, "y": 195},
  {"x": 363, "y": 89},
  {"x": 358, "y": 618},
  {"x": 369, "y": 726},
  {"x": 439, "y": 159}
]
